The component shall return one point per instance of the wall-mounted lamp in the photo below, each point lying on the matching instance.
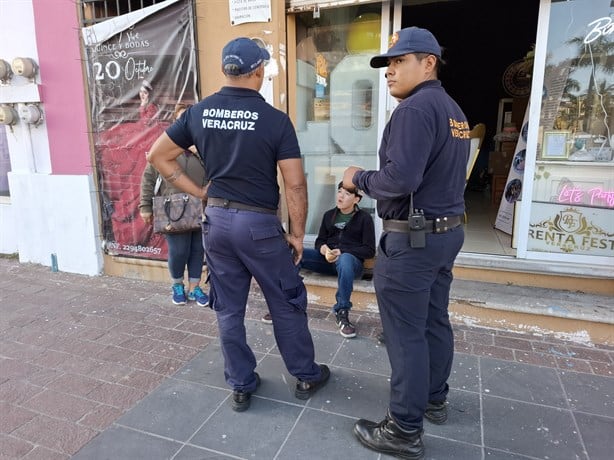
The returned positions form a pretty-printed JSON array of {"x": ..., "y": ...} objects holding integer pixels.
[
  {"x": 8, "y": 115},
  {"x": 5, "y": 71},
  {"x": 30, "y": 113},
  {"x": 25, "y": 67}
]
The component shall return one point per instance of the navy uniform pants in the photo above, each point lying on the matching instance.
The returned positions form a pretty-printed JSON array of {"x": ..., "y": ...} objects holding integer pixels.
[
  {"x": 245, "y": 244},
  {"x": 412, "y": 288}
]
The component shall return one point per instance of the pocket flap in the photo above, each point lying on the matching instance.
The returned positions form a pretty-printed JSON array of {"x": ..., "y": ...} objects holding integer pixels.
[{"x": 262, "y": 233}]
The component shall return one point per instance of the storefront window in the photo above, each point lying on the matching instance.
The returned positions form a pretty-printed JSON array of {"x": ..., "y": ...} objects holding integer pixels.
[
  {"x": 573, "y": 193},
  {"x": 336, "y": 103}
]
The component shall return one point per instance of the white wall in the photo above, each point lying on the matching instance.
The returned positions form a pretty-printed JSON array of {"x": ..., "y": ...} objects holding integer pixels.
[{"x": 45, "y": 213}]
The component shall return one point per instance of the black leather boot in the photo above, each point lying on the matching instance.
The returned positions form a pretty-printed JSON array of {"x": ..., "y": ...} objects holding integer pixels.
[{"x": 389, "y": 438}]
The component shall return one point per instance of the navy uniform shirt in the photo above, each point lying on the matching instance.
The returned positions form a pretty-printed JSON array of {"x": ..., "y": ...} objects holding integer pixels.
[
  {"x": 424, "y": 149},
  {"x": 241, "y": 138}
]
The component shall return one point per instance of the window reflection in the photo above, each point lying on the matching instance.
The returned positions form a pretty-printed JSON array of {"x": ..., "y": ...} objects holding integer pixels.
[
  {"x": 579, "y": 83},
  {"x": 337, "y": 91}
]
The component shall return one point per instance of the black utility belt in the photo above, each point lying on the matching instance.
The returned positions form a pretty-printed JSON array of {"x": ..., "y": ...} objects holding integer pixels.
[
  {"x": 224, "y": 203},
  {"x": 437, "y": 225}
]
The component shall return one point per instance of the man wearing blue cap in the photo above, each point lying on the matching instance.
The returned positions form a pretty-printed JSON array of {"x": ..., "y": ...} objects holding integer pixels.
[
  {"x": 243, "y": 140},
  {"x": 419, "y": 192}
]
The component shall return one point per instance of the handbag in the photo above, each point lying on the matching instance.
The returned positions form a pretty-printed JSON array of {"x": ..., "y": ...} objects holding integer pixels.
[{"x": 177, "y": 213}]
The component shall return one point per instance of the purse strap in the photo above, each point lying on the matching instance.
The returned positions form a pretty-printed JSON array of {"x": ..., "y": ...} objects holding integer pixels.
[{"x": 167, "y": 208}]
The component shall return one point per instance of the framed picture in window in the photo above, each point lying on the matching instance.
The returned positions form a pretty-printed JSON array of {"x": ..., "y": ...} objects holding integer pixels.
[{"x": 556, "y": 145}]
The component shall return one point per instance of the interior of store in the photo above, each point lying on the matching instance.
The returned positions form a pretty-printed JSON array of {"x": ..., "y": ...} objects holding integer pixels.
[{"x": 485, "y": 47}]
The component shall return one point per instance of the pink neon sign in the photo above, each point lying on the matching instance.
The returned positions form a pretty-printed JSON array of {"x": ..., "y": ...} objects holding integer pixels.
[{"x": 597, "y": 196}]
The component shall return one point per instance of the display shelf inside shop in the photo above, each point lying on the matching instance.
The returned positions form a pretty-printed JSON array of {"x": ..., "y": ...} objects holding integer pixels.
[{"x": 575, "y": 163}]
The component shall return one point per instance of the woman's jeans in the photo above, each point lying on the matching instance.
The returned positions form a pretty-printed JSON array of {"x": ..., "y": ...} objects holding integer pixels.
[
  {"x": 185, "y": 249},
  {"x": 347, "y": 268}
]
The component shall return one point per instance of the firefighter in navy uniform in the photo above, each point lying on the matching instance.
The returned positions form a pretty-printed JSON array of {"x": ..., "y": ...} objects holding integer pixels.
[
  {"x": 419, "y": 191},
  {"x": 243, "y": 141}
]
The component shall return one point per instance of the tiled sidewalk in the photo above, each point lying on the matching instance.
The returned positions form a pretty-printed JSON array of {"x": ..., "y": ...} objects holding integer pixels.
[{"x": 81, "y": 356}]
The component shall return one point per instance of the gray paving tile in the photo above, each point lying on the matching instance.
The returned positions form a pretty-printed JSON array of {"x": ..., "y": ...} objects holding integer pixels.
[
  {"x": 363, "y": 354},
  {"x": 326, "y": 345},
  {"x": 255, "y": 434},
  {"x": 464, "y": 421},
  {"x": 176, "y": 409},
  {"x": 321, "y": 435},
  {"x": 207, "y": 367},
  {"x": 597, "y": 434},
  {"x": 195, "y": 453},
  {"x": 259, "y": 336},
  {"x": 524, "y": 382},
  {"x": 589, "y": 393},
  {"x": 465, "y": 373},
  {"x": 353, "y": 393},
  {"x": 493, "y": 454},
  {"x": 123, "y": 443},
  {"x": 436, "y": 448},
  {"x": 275, "y": 381},
  {"x": 530, "y": 429}
]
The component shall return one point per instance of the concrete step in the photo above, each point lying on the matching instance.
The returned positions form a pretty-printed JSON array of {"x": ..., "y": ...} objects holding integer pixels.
[
  {"x": 525, "y": 300},
  {"x": 581, "y": 316}
]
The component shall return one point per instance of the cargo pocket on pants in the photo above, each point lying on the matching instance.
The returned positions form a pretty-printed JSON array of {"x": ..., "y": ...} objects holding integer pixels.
[
  {"x": 267, "y": 239},
  {"x": 294, "y": 290}
]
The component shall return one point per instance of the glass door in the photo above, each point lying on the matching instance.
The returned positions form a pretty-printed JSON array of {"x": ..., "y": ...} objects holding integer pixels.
[{"x": 337, "y": 99}]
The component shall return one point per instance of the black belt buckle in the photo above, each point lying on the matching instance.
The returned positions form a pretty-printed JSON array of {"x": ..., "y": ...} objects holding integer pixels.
[{"x": 226, "y": 204}]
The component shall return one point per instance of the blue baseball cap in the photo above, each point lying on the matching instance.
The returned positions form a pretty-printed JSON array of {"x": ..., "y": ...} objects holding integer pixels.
[
  {"x": 242, "y": 55},
  {"x": 406, "y": 41}
]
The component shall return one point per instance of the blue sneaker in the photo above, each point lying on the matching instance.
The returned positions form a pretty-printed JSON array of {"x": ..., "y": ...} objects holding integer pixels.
[
  {"x": 202, "y": 299},
  {"x": 179, "y": 294}
]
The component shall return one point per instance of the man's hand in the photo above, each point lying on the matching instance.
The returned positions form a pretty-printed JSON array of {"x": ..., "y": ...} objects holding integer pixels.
[
  {"x": 296, "y": 244},
  {"x": 348, "y": 176}
]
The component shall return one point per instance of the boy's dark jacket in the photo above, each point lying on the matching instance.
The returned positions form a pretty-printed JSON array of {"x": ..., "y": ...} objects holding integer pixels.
[{"x": 357, "y": 238}]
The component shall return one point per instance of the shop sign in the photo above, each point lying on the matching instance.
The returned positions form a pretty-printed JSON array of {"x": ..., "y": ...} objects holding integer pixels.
[
  {"x": 595, "y": 196},
  {"x": 571, "y": 229},
  {"x": 242, "y": 11}
]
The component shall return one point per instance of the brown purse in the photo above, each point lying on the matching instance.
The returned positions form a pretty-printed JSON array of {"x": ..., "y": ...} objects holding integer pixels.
[{"x": 177, "y": 213}]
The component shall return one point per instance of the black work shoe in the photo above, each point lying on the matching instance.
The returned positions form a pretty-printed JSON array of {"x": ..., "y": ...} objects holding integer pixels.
[
  {"x": 436, "y": 412},
  {"x": 389, "y": 438},
  {"x": 304, "y": 389},
  {"x": 346, "y": 329},
  {"x": 381, "y": 338},
  {"x": 241, "y": 399}
]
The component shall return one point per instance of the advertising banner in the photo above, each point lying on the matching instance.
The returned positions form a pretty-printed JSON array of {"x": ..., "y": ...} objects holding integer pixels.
[
  {"x": 513, "y": 187},
  {"x": 139, "y": 66},
  {"x": 561, "y": 228}
]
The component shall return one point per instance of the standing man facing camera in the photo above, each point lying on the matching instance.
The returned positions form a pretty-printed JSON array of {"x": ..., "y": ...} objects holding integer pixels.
[
  {"x": 419, "y": 191},
  {"x": 243, "y": 140}
]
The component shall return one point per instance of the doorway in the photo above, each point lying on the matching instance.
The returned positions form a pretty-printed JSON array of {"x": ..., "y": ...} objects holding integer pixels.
[{"x": 481, "y": 40}]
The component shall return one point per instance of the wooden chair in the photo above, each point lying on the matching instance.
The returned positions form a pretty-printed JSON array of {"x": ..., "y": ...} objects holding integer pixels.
[{"x": 477, "y": 136}]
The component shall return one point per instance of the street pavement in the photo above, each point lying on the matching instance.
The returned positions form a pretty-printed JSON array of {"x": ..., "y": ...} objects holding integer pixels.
[{"x": 108, "y": 368}]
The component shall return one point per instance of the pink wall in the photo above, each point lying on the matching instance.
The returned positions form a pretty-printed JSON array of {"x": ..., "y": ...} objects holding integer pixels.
[{"x": 62, "y": 85}]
